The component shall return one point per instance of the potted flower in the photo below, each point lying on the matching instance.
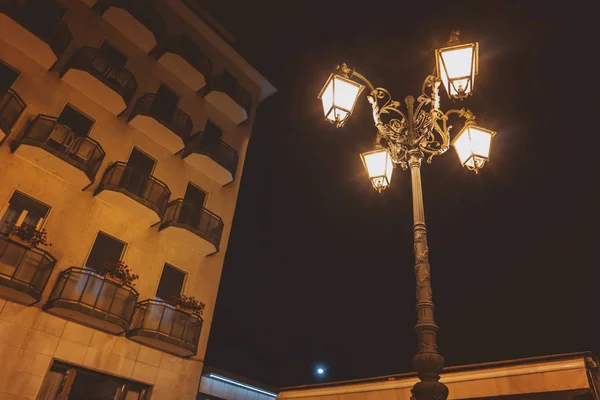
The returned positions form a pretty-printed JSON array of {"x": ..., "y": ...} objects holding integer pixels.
[
  {"x": 188, "y": 305},
  {"x": 119, "y": 273},
  {"x": 28, "y": 235}
]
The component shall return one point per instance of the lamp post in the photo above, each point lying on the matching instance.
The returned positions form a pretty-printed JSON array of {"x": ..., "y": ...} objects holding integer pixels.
[{"x": 405, "y": 138}]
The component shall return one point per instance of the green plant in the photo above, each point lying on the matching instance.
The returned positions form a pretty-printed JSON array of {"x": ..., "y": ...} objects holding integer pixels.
[
  {"x": 189, "y": 303},
  {"x": 28, "y": 233},
  {"x": 119, "y": 270}
]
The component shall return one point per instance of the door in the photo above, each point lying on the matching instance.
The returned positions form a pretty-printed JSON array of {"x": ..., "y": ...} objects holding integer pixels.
[
  {"x": 137, "y": 178},
  {"x": 67, "y": 382},
  {"x": 8, "y": 76},
  {"x": 211, "y": 138},
  {"x": 165, "y": 104},
  {"x": 193, "y": 204}
]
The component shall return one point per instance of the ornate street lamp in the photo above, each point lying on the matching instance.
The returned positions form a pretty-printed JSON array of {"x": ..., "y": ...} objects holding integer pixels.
[{"x": 404, "y": 137}]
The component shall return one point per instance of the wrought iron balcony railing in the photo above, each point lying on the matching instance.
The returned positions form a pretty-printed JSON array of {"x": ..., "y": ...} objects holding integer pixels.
[
  {"x": 42, "y": 18},
  {"x": 196, "y": 219},
  {"x": 82, "y": 152},
  {"x": 160, "y": 325},
  {"x": 99, "y": 66},
  {"x": 172, "y": 118},
  {"x": 24, "y": 271},
  {"x": 140, "y": 10},
  {"x": 83, "y": 295},
  {"x": 217, "y": 150},
  {"x": 137, "y": 184},
  {"x": 11, "y": 108},
  {"x": 228, "y": 84},
  {"x": 190, "y": 52}
]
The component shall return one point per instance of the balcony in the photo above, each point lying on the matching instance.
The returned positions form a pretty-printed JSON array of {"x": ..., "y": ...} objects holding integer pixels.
[
  {"x": 163, "y": 327},
  {"x": 216, "y": 159},
  {"x": 24, "y": 271},
  {"x": 184, "y": 59},
  {"x": 53, "y": 147},
  {"x": 136, "y": 20},
  {"x": 86, "y": 297},
  {"x": 133, "y": 190},
  {"x": 169, "y": 127},
  {"x": 34, "y": 27},
  {"x": 193, "y": 226},
  {"x": 92, "y": 73},
  {"x": 228, "y": 96},
  {"x": 11, "y": 108}
]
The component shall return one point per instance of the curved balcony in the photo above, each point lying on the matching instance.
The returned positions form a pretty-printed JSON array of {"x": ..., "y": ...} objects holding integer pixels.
[
  {"x": 54, "y": 147},
  {"x": 216, "y": 159},
  {"x": 88, "y": 298},
  {"x": 91, "y": 72},
  {"x": 24, "y": 271},
  {"x": 184, "y": 59},
  {"x": 133, "y": 190},
  {"x": 169, "y": 127},
  {"x": 161, "y": 326},
  {"x": 32, "y": 27},
  {"x": 193, "y": 226},
  {"x": 228, "y": 96},
  {"x": 136, "y": 20},
  {"x": 11, "y": 108}
]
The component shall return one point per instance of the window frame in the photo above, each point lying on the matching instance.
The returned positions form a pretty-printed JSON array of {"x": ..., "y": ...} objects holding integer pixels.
[
  {"x": 22, "y": 217},
  {"x": 123, "y": 252},
  {"x": 186, "y": 275},
  {"x": 138, "y": 148},
  {"x": 77, "y": 109}
]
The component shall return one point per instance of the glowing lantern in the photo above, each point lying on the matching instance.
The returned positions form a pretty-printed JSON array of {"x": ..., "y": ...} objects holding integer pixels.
[
  {"x": 457, "y": 66},
  {"x": 339, "y": 98},
  {"x": 379, "y": 166},
  {"x": 472, "y": 146}
]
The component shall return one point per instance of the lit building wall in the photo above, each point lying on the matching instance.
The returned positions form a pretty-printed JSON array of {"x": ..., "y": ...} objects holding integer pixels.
[{"x": 31, "y": 338}]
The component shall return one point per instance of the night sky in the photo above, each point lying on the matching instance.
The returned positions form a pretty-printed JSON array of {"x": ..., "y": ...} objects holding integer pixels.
[{"x": 319, "y": 269}]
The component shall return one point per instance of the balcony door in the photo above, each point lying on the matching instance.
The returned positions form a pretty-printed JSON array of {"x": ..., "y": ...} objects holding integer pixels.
[
  {"x": 211, "y": 137},
  {"x": 137, "y": 178},
  {"x": 22, "y": 209},
  {"x": 106, "y": 249},
  {"x": 8, "y": 76},
  {"x": 170, "y": 284},
  {"x": 193, "y": 204},
  {"x": 165, "y": 104}
]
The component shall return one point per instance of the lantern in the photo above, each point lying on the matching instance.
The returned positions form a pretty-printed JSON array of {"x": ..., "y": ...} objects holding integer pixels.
[
  {"x": 379, "y": 166},
  {"x": 472, "y": 146},
  {"x": 339, "y": 98},
  {"x": 457, "y": 66}
]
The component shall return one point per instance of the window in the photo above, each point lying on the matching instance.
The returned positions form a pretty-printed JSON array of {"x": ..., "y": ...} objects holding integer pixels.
[
  {"x": 115, "y": 58},
  {"x": 79, "y": 123},
  {"x": 8, "y": 76},
  {"x": 105, "y": 249},
  {"x": 23, "y": 209},
  {"x": 141, "y": 160},
  {"x": 170, "y": 284}
]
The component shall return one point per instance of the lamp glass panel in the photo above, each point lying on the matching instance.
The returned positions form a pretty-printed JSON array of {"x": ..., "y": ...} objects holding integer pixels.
[
  {"x": 462, "y": 144},
  {"x": 327, "y": 99},
  {"x": 345, "y": 93},
  {"x": 481, "y": 141},
  {"x": 457, "y": 63},
  {"x": 377, "y": 162}
]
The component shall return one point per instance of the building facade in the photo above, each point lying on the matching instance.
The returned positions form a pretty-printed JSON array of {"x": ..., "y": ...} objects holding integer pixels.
[
  {"x": 123, "y": 130},
  {"x": 573, "y": 376}
]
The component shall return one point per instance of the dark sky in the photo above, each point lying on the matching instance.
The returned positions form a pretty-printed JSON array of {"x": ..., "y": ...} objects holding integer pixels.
[{"x": 319, "y": 267}]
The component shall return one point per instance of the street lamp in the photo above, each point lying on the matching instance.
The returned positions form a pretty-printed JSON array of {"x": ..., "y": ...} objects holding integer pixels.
[{"x": 404, "y": 138}]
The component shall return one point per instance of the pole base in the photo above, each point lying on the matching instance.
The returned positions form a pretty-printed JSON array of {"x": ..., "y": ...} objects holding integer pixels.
[{"x": 429, "y": 390}]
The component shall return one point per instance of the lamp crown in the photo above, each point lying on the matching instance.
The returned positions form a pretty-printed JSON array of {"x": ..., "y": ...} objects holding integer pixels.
[
  {"x": 345, "y": 71},
  {"x": 453, "y": 39}
]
